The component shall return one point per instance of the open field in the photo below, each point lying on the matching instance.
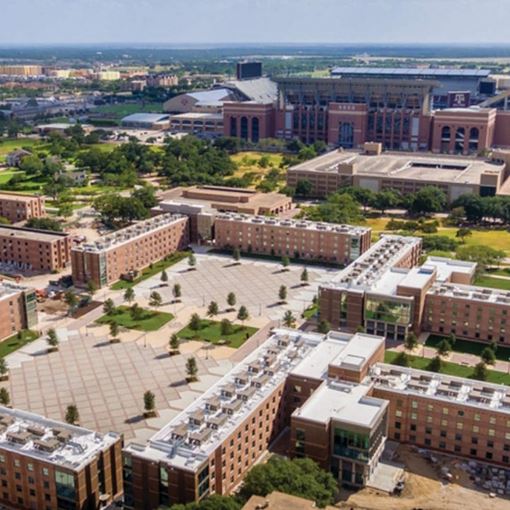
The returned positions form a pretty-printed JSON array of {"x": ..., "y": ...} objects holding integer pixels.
[
  {"x": 13, "y": 343},
  {"x": 493, "y": 283},
  {"x": 247, "y": 164},
  {"x": 499, "y": 239},
  {"x": 7, "y": 146},
  {"x": 149, "y": 321},
  {"x": 449, "y": 368},
  {"x": 210, "y": 331}
]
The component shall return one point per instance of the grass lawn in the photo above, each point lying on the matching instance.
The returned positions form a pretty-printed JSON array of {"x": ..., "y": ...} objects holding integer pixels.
[
  {"x": 13, "y": 343},
  {"x": 498, "y": 239},
  {"x": 150, "y": 321},
  {"x": 469, "y": 347},
  {"x": 8, "y": 145},
  {"x": 449, "y": 368},
  {"x": 156, "y": 268},
  {"x": 310, "y": 312},
  {"x": 5, "y": 175},
  {"x": 493, "y": 283},
  {"x": 247, "y": 162},
  {"x": 210, "y": 331}
]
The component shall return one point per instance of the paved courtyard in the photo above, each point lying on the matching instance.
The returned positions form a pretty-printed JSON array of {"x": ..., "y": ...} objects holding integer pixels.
[
  {"x": 255, "y": 283},
  {"x": 106, "y": 381}
]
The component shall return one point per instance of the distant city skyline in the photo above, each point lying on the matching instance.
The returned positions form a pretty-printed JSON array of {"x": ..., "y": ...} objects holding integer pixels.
[{"x": 253, "y": 21}]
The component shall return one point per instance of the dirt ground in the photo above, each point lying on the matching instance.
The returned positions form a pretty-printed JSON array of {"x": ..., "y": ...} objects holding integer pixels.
[{"x": 424, "y": 490}]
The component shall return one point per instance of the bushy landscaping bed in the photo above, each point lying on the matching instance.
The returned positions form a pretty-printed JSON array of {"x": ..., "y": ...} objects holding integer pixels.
[
  {"x": 469, "y": 347},
  {"x": 149, "y": 320},
  {"x": 210, "y": 331}
]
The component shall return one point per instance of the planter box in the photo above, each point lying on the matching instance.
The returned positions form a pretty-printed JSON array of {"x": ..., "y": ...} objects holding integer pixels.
[
  {"x": 150, "y": 414},
  {"x": 4, "y": 377},
  {"x": 115, "y": 340},
  {"x": 52, "y": 349}
]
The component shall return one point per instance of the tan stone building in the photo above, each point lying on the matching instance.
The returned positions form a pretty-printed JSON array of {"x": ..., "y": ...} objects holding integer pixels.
[
  {"x": 17, "y": 308},
  {"x": 298, "y": 239},
  {"x": 34, "y": 250},
  {"x": 18, "y": 207},
  {"x": 50, "y": 465},
  {"x": 129, "y": 250}
]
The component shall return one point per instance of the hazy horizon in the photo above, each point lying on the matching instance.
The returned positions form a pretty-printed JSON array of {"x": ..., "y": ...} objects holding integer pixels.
[{"x": 253, "y": 22}]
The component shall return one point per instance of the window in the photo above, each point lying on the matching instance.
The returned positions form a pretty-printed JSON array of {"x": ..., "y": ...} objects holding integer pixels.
[{"x": 64, "y": 483}]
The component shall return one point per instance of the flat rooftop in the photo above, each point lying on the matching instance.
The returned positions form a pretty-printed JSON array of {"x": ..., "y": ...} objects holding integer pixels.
[
  {"x": 8, "y": 289},
  {"x": 146, "y": 117},
  {"x": 51, "y": 441},
  {"x": 410, "y": 381},
  {"x": 371, "y": 269},
  {"x": 412, "y": 72},
  {"x": 188, "y": 439},
  {"x": 128, "y": 234},
  {"x": 445, "y": 267},
  {"x": 217, "y": 117},
  {"x": 472, "y": 293},
  {"x": 18, "y": 197},
  {"x": 289, "y": 223},
  {"x": 342, "y": 401},
  {"x": 423, "y": 167},
  {"x": 31, "y": 234}
]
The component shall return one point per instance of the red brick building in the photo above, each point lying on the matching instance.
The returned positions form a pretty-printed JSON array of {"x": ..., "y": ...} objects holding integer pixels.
[
  {"x": 17, "y": 308},
  {"x": 18, "y": 207}
]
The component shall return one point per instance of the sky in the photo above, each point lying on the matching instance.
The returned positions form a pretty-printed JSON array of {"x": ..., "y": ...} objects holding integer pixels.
[{"x": 254, "y": 21}]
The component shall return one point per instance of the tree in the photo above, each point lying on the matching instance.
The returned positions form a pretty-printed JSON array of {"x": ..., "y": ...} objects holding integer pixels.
[
  {"x": 236, "y": 255},
  {"x": 164, "y": 276},
  {"x": 462, "y": 233},
  {"x": 192, "y": 261},
  {"x": 304, "y": 277},
  {"x": 226, "y": 327},
  {"x": 487, "y": 356},
  {"x": 288, "y": 319},
  {"x": 174, "y": 344},
  {"x": 72, "y": 415},
  {"x": 155, "y": 299},
  {"x": 129, "y": 295},
  {"x": 452, "y": 339},
  {"x": 324, "y": 326},
  {"x": 4, "y": 370},
  {"x": 383, "y": 200},
  {"x": 114, "y": 330},
  {"x": 231, "y": 300},
  {"x": 285, "y": 262},
  {"x": 436, "y": 364},
  {"x": 91, "y": 287},
  {"x": 484, "y": 256},
  {"x": 71, "y": 300},
  {"x": 242, "y": 314},
  {"x": 31, "y": 165},
  {"x": 428, "y": 199},
  {"x": 282, "y": 293},
  {"x": 44, "y": 224},
  {"x": 480, "y": 371},
  {"x": 444, "y": 348},
  {"x": 304, "y": 188},
  {"x": 65, "y": 210},
  {"x": 109, "y": 307},
  {"x": 149, "y": 401},
  {"x": 411, "y": 341},
  {"x": 52, "y": 339},
  {"x": 191, "y": 369},
  {"x": 299, "y": 477},
  {"x": 214, "y": 502},
  {"x": 338, "y": 208},
  {"x": 146, "y": 195},
  {"x": 5, "y": 397},
  {"x": 403, "y": 359},
  {"x": 195, "y": 322},
  {"x": 212, "y": 309},
  {"x": 176, "y": 291}
]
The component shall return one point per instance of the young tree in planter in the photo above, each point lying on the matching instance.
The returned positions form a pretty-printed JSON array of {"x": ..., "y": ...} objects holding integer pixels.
[
  {"x": 231, "y": 300},
  {"x": 226, "y": 327},
  {"x": 191, "y": 369},
  {"x": 212, "y": 309},
  {"x": 91, "y": 287},
  {"x": 403, "y": 359},
  {"x": 282, "y": 294},
  {"x": 288, "y": 319},
  {"x": 4, "y": 370},
  {"x": 444, "y": 348},
  {"x": 192, "y": 261},
  {"x": 136, "y": 312},
  {"x": 411, "y": 341},
  {"x": 174, "y": 344},
  {"x": 242, "y": 314},
  {"x": 164, "y": 276},
  {"x": 5, "y": 397},
  {"x": 236, "y": 255},
  {"x": 129, "y": 295},
  {"x": 176, "y": 291},
  {"x": 149, "y": 403},
  {"x": 304, "y": 277},
  {"x": 487, "y": 356},
  {"x": 195, "y": 322},
  {"x": 52, "y": 339},
  {"x": 285, "y": 262},
  {"x": 324, "y": 326},
  {"x": 109, "y": 307},
  {"x": 114, "y": 332},
  {"x": 435, "y": 364},
  {"x": 72, "y": 415},
  {"x": 71, "y": 300},
  {"x": 480, "y": 371},
  {"x": 155, "y": 299}
]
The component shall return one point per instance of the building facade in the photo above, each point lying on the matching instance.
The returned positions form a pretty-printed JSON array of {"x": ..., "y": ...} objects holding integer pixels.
[
  {"x": 28, "y": 249},
  {"x": 298, "y": 239},
  {"x": 18, "y": 207},
  {"x": 17, "y": 308},
  {"x": 129, "y": 250},
  {"x": 50, "y": 465}
]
